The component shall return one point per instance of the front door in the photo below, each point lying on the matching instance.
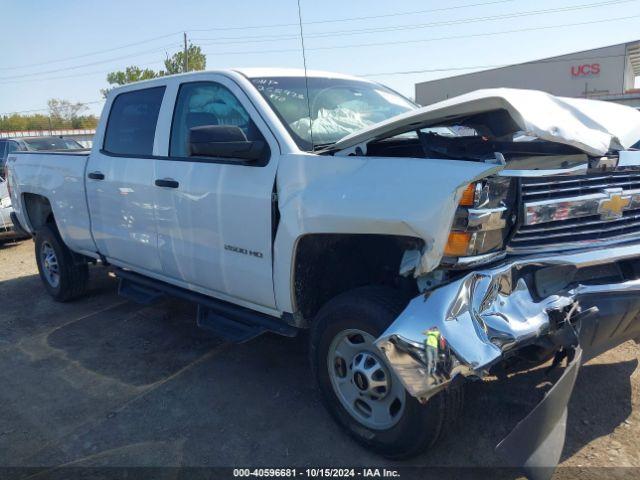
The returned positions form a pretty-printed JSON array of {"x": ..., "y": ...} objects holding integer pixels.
[
  {"x": 214, "y": 216},
  {"x": 120, "y": 183}
]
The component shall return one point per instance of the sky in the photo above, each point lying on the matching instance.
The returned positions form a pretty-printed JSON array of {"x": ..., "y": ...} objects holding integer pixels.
[{"x": 65, "y": 48}]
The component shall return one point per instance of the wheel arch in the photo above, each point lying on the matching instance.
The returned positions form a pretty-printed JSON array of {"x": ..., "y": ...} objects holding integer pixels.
[
  {"x": 326, "y": 265},
  {"x": 37, "y": 211}
]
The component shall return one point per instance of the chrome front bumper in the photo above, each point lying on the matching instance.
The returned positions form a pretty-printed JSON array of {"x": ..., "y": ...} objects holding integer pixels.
[{"x": 482, "y": 317}]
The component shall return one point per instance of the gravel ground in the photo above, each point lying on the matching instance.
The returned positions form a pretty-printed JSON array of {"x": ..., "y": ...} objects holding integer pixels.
[{"x": 101, "y": 381}]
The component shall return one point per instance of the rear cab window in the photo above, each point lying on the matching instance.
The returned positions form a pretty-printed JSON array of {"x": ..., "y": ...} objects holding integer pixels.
[
  {"x": 131, "y": 126},
  {"x": 52, "y": 143}
]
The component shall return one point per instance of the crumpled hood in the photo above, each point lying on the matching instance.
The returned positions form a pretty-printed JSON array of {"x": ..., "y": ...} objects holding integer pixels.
[{"x": 593, "y": 126}]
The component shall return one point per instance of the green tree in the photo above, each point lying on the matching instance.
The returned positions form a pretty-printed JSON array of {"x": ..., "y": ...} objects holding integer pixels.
[
  {"x": 129, "y": 75},
  {"x": 85, "y": 121},
  {"x": 13, "y": 122},
  {"x": 63, "y": 112},
  {"x": 196, "y": 61},
  {"x": 38, "y": 121}
]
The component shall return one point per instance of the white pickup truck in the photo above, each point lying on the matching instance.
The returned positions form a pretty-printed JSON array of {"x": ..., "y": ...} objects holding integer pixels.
[{"x": 485, "y": 234}]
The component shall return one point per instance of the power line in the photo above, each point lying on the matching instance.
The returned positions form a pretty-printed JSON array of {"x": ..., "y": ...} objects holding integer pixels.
[
  {"x": 75, "y": 75},
  {"x": 505, "y": 32},
  {"x": 326, "y": 34},
  {"x": 90, "y": 54},
  {"x": 425, "y": 40},
  {"x": 479, "y": 67},
  {"x": 376, "y": 74},
  {"x": 326, "y": 48},
  {"x": 415, "y": 12},
  {"x": 335, "y": 33},
  {"x": 569, "y": 8},
  {"x": 348, "y": 19},
  {"x": 137, "y": 54},
  {"x": 351, "y": 19},
  {"x": 45, "y": 109}
]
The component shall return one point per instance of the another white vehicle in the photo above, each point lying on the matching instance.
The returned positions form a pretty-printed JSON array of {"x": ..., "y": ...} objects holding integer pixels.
[
  {"x": 417, "y": 257},
  {"x": 8, "y": 231},
  {"x": 6, "y": 226}
]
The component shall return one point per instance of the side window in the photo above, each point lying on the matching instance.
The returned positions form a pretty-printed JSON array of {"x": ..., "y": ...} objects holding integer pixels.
[
  {"x": 12, "y": 147},
  {"x": 6, "y": 147},
  {"x": 132, "y": 122},
  {"x": 207, "y": 103}
]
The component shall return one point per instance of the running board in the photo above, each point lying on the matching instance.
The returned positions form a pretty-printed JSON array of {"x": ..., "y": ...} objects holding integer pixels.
[
  {"x": 231, "y": 322},
  {"x": 137, "y": 292}
]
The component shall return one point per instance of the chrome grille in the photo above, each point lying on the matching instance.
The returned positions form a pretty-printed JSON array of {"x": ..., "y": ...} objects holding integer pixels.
[
  {"x": 579, "y": 231},
  {"x": 544, "y": 188}
]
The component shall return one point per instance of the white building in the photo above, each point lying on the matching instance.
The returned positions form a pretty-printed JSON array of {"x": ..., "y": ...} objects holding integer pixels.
[{"x": 607, "y": 73}]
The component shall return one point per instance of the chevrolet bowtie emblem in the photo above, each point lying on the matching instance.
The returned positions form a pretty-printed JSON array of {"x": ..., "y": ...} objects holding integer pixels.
[{"x": 611, "y": 208}]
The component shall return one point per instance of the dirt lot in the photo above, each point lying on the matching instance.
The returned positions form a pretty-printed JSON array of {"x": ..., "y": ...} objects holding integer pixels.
[{"x": 105, "y": 382}]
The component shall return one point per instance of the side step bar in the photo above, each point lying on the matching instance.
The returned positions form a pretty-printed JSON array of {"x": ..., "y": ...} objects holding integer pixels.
[{"x": 223, "y": 319}]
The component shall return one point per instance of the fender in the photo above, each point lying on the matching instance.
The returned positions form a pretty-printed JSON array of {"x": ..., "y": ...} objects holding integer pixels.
[{"x": 413, "y": 197}]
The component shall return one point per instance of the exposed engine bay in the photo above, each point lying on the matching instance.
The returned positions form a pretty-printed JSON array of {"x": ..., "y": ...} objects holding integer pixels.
[{"x": 477, "y": 148}]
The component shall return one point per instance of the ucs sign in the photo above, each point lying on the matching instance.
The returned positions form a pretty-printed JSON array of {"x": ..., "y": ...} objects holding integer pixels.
[{"x": 585, "y": 70}]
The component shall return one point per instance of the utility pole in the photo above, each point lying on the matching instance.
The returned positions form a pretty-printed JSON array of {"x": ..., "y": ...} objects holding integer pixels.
[{"x": 185, "y": 60}]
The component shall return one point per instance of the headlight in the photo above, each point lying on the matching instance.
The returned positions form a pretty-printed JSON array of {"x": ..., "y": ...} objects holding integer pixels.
[{"x": 482, "y": 221}]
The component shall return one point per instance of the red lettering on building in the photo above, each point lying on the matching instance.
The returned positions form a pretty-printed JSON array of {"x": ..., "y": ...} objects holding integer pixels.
[{"x": 585, "y": 70}]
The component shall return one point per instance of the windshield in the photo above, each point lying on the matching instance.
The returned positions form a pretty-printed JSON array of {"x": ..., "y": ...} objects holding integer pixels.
[
  {"x": 52, "y": 143},
  {"x": 338, "y": 106}
]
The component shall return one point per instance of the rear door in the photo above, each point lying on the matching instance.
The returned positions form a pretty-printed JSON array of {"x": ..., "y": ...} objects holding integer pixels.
[
  {"x": 214, "y": 216},
  {"x": 120, "y": 187}
]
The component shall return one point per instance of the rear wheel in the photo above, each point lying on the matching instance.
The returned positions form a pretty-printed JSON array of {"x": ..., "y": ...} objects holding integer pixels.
[
  {"x": 358, "y": 386},
  {"x": 64, "y": 276}
]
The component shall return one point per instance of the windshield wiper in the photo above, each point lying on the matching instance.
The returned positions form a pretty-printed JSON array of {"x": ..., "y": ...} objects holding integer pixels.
[{"x": 322, "y": 146}]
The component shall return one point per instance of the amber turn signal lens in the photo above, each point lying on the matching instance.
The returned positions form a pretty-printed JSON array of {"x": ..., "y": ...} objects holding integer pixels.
[
  {"x": 468, "y": 196},
  {"x": 457, "y": 244}
]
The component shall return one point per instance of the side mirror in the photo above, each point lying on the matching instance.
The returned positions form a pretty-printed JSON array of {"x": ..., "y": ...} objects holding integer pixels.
[{"x": 225, "y": 141}]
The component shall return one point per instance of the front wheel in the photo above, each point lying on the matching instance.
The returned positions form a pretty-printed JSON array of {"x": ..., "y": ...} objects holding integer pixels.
[
  {"x": 358, "y": 386},
  {"x": 63, "y": 276}
]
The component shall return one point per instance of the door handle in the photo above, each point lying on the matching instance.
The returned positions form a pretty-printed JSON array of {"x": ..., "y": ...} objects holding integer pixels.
[
  {"x": 167, "y": 182},
  {"x": 96, "y": 175}
]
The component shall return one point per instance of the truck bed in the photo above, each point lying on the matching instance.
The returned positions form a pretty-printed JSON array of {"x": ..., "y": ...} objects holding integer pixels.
[{"x": 39, "y": 173}]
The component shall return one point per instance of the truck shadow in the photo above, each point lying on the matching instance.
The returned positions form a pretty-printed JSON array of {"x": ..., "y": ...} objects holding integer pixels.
[
  {"x": 135, "y": 344},
  {"x": 9, "y": 244},
  {"x": 262, "y": 389},
  {"x": 493, "y": 408}
]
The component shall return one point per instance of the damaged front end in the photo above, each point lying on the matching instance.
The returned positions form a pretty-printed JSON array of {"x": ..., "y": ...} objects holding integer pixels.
[
  {"x": 492, "y": 317},
  {"x": 536, "y": 267},
  {"x": 489, "y": 315},
  {"x": 541, "y": 259}
]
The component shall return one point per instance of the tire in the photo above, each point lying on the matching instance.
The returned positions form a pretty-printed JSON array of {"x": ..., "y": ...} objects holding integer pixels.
[
  {"x": 53, "y": 256},
  {"x": 415, "y": 426}
]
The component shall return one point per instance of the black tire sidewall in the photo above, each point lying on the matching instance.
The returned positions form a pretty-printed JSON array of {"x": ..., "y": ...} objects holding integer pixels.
[
  {"x": 419, "y": 425},
  {"x": 49, "y": 235}
]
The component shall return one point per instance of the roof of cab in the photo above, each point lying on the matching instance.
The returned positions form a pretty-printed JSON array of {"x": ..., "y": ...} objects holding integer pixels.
[
  {"x": 292, "y": 72},
  {"x": 247, "y": 72},
  {"x": 257, "y": 72}
]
